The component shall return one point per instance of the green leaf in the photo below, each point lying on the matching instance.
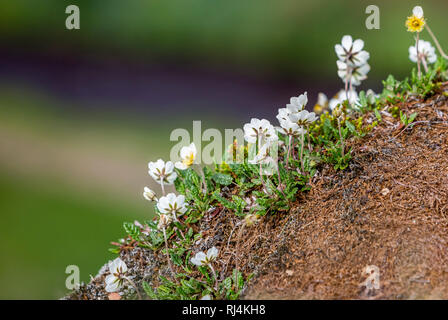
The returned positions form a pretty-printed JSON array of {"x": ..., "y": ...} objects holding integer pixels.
[{"x": 222, "y": 179}]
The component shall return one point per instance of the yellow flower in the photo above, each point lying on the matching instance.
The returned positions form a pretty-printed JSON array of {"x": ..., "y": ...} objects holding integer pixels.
[{"x": 416, "y": 22}]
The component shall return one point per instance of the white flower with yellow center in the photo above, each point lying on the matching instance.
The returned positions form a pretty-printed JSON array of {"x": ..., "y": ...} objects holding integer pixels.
[
  {"x": 115, "y": 279},
  {"x": 341, "y": 96},
  {"x": 162, "y": 172},
  {"x": 416, "y": 22},
  {"x": 426, "y": 52},
  {"x": 188, "y": 156},
  {"x": 351, "y": 51},
  {"x": 172, "y": 204},
  {"x": 321, "y": 104},
  {"x": 202, "y": 259}
]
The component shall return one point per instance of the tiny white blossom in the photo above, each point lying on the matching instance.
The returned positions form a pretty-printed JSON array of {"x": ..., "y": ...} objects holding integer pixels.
[
  {"x": 261, "y": 155},
  {"x": 206, "y": 297},
  {"x": 297, "y": 104},
  {"x": 355, "y": 73},
  {"x": 162, "y": 172},
  {"x": 115, "y": 279},
  {"x": 289, "y": 128},
  {"x": 351, "y": 51},
  {"x": 188, "y": 155},
  {"x": 425, "y": 50},
  {"x": 341, "y": 96},
  {"x": 149, "y": 194},
  {"x": 283, "y": 114},
  {"x": 259, "y": 130},
  {"x": 303, "y": 117},
  {"x": 172, "y": 204},
  {"x": 201, "y": 259}
]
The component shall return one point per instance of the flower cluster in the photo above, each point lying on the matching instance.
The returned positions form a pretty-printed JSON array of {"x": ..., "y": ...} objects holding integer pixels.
[
  {"x": 169, "y": 206},
  {"x": 262, "y": 135},
  {"x": 352, "y": 68}
]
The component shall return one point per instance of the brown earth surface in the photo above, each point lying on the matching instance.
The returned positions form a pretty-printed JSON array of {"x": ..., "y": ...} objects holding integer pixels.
[{"x": 387, "y": 210}]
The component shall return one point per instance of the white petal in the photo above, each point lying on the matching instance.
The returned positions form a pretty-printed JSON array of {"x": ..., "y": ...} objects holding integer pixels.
[
  {"x": 180, "y": 165},
  {"x": 113, "y": 287},
  {"x": 212, "y": 253},
  {"x": 358, "y": 44},
  {"x": 110, "y": 279},
  {"x": 418, "y": 12},
  {"x": 347, "y": 42},
  {"x": 339, "y": 51}
]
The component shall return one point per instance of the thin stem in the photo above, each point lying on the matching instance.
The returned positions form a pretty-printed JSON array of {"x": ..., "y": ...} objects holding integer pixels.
[
  {"x": 162, "y": 185},
  {"x": 418, "y": 55},
  {"x": 280, "y": 185},
  {"x": 302, "y": 142},
  {"x": 203, "y": 179},
  {"x": 167, "y": 253},
  {"x": 442, "y": 53},
  {"x": 261, "y": 169},
  {"x": 425, "y": 65},
  {"x": 214, "y": 275},
  {"x": 348, "y": 79},
  {"x": 309, "y": 142},
  {"x": 340, "y": 136},
  {"x": 135, "y": 287},
  {"x": 289, "y": 150}
]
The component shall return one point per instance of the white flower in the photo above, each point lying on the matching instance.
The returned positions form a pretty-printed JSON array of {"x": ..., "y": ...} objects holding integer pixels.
[
  {"x": 297, "y": 103},
  {"x": 289, "y": 128},
  {"x": 371, "y": 96},
  {"x": 188, "y": 155},
  {"x": 201, "y": 258},
  {"x": 114, "y": 280},
  {"x": 164, "y": 221},
  {"x": 261, "y": 155},
  {"x": 303, "y": 117},
  {"x": 341, "y": 96},
  {"x": 259, "y": 130},
  {"x": 162, "y": 172},
  {"x": 172, "y": 204},
  {"x": 356, "y": 73},
  {"x": 351, "y": 51},
  {"x": 149, "y": 194},
  {"x": 425, "y": 50},
  {"x": 418, "y": 12},
  {"x": 321, "y": 104},
  {"x": 283, "y": 114},
  {"x": 206, "y": 297}
]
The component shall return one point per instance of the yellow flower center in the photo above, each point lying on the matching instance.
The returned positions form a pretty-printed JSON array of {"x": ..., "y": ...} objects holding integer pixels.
[
  {"x": 415, "y": 24},
  {"x": 188, "y": 161}
]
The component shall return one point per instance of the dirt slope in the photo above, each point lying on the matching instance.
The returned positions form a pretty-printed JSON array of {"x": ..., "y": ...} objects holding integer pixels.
[{"x": 389, "y": 209}]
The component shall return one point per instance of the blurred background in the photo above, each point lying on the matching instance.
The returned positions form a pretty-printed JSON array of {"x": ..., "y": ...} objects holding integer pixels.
[{"x": 83, "y": 111}]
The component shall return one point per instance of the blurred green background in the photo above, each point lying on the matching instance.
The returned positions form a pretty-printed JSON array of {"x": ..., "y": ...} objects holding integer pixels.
[{"x": 83, "y": 111}]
